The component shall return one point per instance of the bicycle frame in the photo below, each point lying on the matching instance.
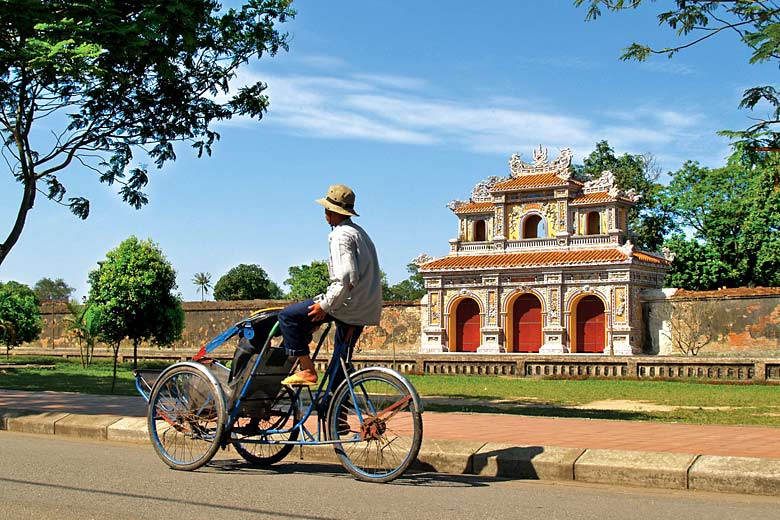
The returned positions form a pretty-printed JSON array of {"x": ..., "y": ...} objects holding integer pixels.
[{"x": 317, "y": 403}]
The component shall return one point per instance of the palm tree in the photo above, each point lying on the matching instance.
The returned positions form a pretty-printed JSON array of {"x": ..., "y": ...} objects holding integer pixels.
[{"x": 203, "y": 282}]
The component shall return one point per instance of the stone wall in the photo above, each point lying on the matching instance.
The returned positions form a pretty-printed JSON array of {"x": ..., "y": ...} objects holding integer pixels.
[
  {"x": 742, "y": 322},
  {"x": 399, "y": 330}
]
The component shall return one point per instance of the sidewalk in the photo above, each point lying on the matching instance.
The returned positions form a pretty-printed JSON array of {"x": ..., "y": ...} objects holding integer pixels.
[{"x": 741, "y": 459}]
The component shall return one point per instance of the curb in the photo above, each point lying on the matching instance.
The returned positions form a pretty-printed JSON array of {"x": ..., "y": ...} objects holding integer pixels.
[{"x": 740, "y": 475}]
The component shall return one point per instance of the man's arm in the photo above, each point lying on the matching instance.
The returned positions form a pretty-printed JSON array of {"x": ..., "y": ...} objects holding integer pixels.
[{"x": 345, "y": 272}]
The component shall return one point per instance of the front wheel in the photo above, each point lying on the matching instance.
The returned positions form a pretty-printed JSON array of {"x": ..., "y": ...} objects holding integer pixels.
[
  {"x": 379, "y": 423},
  {"x": 186, "y": 417}
]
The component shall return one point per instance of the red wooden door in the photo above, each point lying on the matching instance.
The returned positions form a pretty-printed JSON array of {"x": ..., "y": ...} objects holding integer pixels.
[
  {"x": 591, "y": 325},
  {"x": 527, "y": 324},
  {"x": 467, "y": 326}
]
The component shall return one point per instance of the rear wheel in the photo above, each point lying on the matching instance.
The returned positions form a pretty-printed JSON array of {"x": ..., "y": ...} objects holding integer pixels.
[
  {"x": 379, "y": 424},
  {"x": 249, "y": 435},
  {"x": 186, "y": 418}
]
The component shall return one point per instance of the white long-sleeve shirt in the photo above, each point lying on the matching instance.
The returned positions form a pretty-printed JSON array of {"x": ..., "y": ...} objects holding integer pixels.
[{"x": 354, "y": 295}]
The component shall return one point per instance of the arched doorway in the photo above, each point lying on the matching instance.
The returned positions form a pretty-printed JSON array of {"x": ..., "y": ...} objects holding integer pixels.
[
  {"x": 479, "y": 231},
  {"x": 591, "y": 325},
  {"x": 594, "y": 223},
  {"x": 526, "y": 324},
  {"x": 532, "y": 227},
  {"x": 467, "y": 325}
]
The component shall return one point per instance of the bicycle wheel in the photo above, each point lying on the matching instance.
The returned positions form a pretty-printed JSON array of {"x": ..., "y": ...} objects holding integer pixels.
[
  {"x": 186, "y": 417},
  {"x": 379, "y": 424},
  {"x": 249, "y": 435}
]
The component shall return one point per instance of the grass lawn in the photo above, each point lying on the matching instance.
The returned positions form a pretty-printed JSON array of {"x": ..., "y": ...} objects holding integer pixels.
[{"x": 688, "y": 402}]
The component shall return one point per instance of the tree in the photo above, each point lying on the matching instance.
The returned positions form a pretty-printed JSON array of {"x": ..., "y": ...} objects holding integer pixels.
[
  {"x": 691, "y": 327},
  {"x": 649, "y": 219},
  {"x": 48, "y": 290},
  {"x": 733, "y": 216},
  {"x": 82, "y": 324},
  {"x": 20, "y": 315},
  {"x": 411, "y": 289},
  {"x": 203, "y": 282},
  {"x": 307, "y": 281},
  {"x": 246, "y": 282},
  {"x": 110, "y": 78},
  {"x": 131, "y": 296},
  {"x": 697, "y": 266},
  {"x": 755, "y": 23}
]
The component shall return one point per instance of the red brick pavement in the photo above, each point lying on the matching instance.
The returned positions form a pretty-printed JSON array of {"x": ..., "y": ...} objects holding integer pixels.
[{"x": 743, "y": 441}]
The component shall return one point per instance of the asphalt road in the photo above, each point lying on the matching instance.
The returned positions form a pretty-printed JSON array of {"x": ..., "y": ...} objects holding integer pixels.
[{"x": 48, "y": 477}]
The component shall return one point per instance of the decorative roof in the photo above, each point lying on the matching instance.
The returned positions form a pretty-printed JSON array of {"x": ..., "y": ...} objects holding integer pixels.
[
  {"x": 561, "y": 166},
  {"x": 537, "y": 259},
  {"x": 541, "y": 180},
  {"x": 606, "y": 183},
  {"x": 592, "y": 198},
  {"x": 597, "y": 197},
  {"x": 472, "y": 208}
]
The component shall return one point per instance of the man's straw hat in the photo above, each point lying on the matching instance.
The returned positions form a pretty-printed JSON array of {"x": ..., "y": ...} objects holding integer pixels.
[{"x": 340, "y": 199}]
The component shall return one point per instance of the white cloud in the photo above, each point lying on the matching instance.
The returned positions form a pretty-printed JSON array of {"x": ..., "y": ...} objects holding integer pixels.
[{"x": 401, "y": 109}]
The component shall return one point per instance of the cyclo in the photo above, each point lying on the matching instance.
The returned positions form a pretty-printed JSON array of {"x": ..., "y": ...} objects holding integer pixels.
[{"x": 373, "y": 418}]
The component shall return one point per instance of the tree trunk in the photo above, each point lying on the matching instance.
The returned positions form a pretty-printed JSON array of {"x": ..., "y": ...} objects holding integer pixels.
[
  {"x": 28, "y": 199},
  {"x": 135, "y": 354},
  {"x": 116, "y": 355}
]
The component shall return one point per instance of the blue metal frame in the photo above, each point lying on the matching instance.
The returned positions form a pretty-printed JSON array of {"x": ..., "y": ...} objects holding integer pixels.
[
  {"x": 307, "y": 437},
  {"x": 318, "y": 401}
]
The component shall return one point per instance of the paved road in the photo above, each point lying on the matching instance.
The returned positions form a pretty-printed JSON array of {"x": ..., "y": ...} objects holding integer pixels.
[{"x": 50, "y": 477}]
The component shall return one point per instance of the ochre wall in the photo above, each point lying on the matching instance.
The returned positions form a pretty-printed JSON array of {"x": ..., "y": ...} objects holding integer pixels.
[
  {"x": 745, "y": 322},
  {"x": 399, "y": 329}
]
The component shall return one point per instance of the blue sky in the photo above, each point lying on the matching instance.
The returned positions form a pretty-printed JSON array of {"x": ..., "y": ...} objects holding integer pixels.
[{"x": 411, "y": 104}]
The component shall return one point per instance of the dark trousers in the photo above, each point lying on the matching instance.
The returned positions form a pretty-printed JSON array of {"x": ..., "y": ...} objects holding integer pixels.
[{"x": 297, "y": 332}]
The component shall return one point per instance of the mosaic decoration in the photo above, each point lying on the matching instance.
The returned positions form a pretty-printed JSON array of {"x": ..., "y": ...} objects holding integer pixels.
[
  {"x": 620, "y": 304},
  {"x": 515, "y": 212},
  {"x": 552, "y": 314},
  {"x": 492, "y": 307},
  {"x": 499, "y": 221},
  {"x": 561, "y": 216},
  {"x": 422, "y": 258},
  {"x": 561, "y": 166},
  {"x": 606, "y": 183},
  {"x": 434, "y": 305},
  {"x": 550, "y": 211}
]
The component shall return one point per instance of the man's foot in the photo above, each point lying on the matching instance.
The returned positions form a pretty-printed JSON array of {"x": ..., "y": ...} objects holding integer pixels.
[{"x": 302, "y": 378}]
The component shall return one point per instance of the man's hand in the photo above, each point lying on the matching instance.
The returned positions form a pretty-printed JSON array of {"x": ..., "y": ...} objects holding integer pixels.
[{"x": 316, "y": 313}]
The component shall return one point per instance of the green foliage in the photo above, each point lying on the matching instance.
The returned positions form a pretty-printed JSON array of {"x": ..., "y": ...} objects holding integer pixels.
[
  {"x": 48, "y": 290},
  {"x": 112, "y": 78},
  {"x": 307, "y": 281},
  {"x": 246, "y": 282},
  {"x": 131, "y": 296},
  {"x": 203, "y": 282},
  {"x": 696, "y": 267},
  {"x": 649, "y": 219},
  {"x": 411, "y": 289},
  {"x": 756, "y": 24},
  {"x": 20, "y": 315},
  {"x": 733, "y": 214},
  {"x": 82, "y": 324}
]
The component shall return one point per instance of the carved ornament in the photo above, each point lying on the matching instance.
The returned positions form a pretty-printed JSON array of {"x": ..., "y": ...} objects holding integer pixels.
[{"x": 561, "y": 166}]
